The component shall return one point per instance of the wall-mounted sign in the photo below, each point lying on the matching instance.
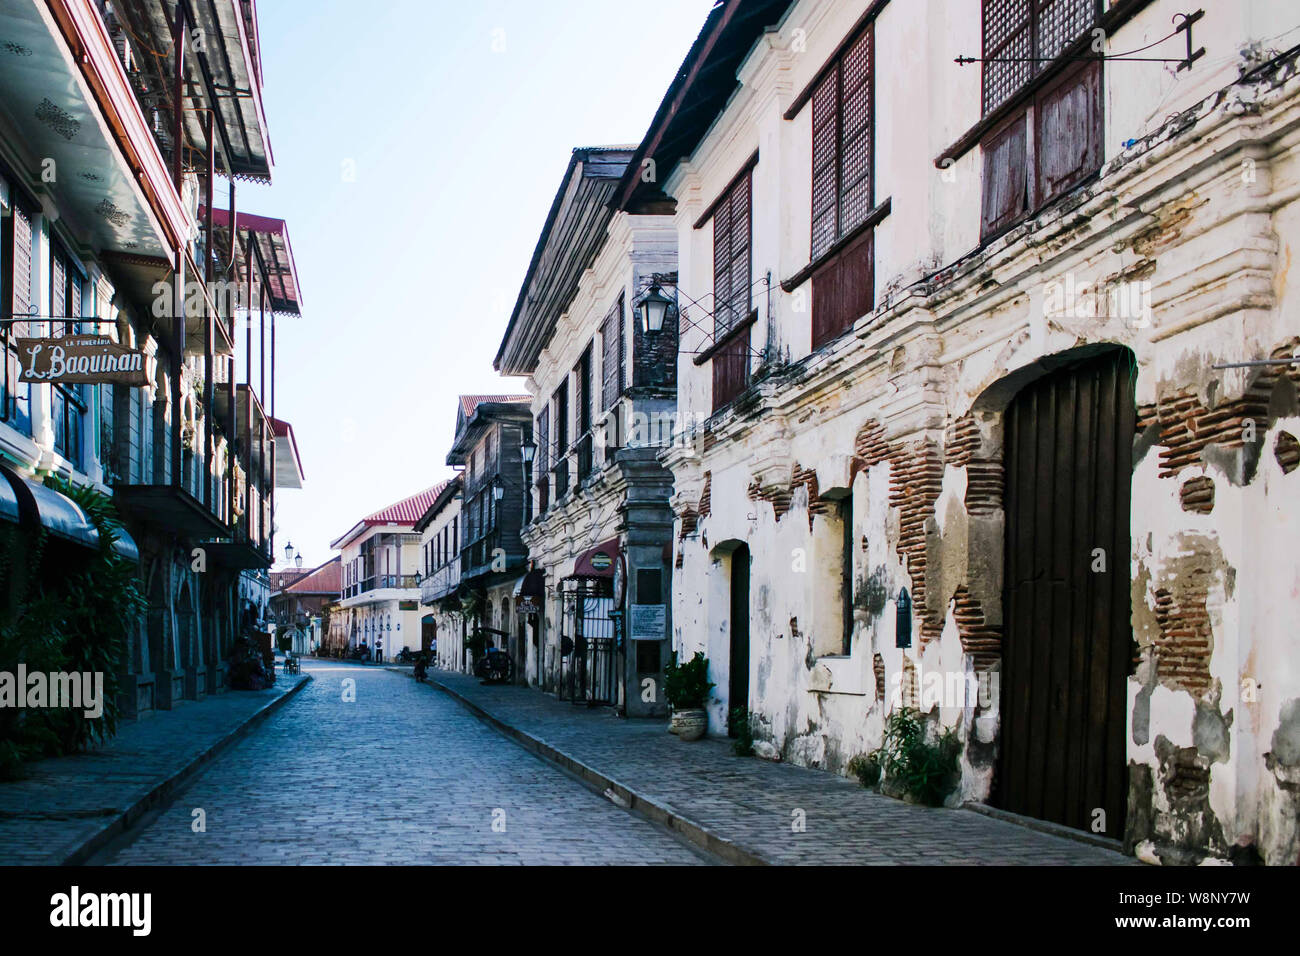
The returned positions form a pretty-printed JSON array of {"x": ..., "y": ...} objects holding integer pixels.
[
  {"x": 647, "y": 622},
  {"x": 601, "y": 561},
  {"x": 408, "y": 605},
  {"x": 526, "y": 605},
  {"x": 81, "y": 359}
]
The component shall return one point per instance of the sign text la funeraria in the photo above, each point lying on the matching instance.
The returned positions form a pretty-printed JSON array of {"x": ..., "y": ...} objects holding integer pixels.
[{"x": 81, "y": 359}]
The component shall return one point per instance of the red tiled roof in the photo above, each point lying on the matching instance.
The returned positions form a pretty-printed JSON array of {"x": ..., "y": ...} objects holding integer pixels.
[
  {"x": 326, "y": 579},
  {"x": 407, "y": 511},
  {"x": 470, "y": 402}
]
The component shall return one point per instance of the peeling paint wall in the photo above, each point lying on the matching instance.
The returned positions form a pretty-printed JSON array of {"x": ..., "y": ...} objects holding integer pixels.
[{"x": 905, "y": 414}]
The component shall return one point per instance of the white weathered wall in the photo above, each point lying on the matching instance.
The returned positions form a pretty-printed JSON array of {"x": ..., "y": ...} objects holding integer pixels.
[{"x": 1207, "y": 217}]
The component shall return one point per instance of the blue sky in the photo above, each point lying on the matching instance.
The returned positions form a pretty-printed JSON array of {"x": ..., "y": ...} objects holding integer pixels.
[{"x": 458, "y": 120}]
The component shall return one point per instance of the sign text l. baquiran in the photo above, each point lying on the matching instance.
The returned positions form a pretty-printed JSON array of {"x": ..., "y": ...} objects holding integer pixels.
[{"x": 81, "y": 359}]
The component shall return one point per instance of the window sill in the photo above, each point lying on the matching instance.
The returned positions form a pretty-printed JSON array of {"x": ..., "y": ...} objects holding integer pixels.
[
  {"x": 874, "y": 218},
  {"x": 732, "y": 334}
]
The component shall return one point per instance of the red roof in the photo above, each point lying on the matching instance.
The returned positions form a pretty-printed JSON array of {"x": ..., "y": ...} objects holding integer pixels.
[
  {"x": 470, "y": 402},
  {"x": 407, "y": 511},
  {"x": 326, "y": 579}
]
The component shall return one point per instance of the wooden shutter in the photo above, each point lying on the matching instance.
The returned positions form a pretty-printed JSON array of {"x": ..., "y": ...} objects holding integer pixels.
[
  {"x": 58, "y": 285},
  {"x": 1008, "y": 36},
  {"x": 730, "y": 370},
  {"x": 611, "y": 360},
  {"x": 1005, "y": 182},
  {"x": 544, "y": 439},
  {"x": 1068, "y": 129},
  {"x": 1058, "y": 23},
  {"x": 732, "y": 290},
  {"x": 722, "y": 268},
  {"x": 741, "y": 293},
  {"x": 842, "y": 290},
  {"x": 855, "y": 138},
  {"x": 825, "y": 178}
]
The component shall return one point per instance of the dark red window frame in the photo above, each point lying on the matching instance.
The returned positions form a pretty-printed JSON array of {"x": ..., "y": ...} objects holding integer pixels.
[
  {"x": 733, "y": 289},
  {"x": 1052, "y": 143},
  {"x": 843, "y": 188}
]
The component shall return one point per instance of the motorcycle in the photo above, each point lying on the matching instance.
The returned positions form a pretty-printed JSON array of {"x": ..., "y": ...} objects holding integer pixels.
[
  {"x": 406, "y": 656},
  {"x": 495, "y": 667}
]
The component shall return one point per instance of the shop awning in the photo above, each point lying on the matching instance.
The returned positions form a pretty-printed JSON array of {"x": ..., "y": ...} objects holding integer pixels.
[
  {"x": 30, "y": 502},
  {"x": 597, "y": 562},
  {"x": 60, "y": 516}
]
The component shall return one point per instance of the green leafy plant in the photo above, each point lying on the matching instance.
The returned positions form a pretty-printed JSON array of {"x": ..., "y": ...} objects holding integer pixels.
[
  {"x": 65, "y": 611},
  {"x": 738, "y": 726},
  {"x": 687, "y": 685},
  {"x": 476, "y": 642},
  {"x": 926, "y": 772},
  {"x": 866, "y": 767}
]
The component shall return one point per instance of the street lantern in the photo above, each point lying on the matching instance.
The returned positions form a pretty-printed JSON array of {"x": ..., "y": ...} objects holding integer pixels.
[
  {"x": 288, "y": 551},
  {"x": 498, "y": 492},
  {"x": 529, "y": 452},
  {"x": 297, "y": 559},
  {"x": 652, "y": 308}
]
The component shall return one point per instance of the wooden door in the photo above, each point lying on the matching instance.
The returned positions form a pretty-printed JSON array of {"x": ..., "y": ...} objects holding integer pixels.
[
  {"x": 738, "y": 679},
  {"x": 1068, "y": 638}
]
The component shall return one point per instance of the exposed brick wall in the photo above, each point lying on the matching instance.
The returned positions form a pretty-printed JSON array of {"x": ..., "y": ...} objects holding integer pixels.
[
  {"x": 1197, "y": 494},
  {"x": 1182, "y": 648},
  {"x": 878, "y": 666},
  {"x": 980, "y": 640},
  {"x": 916, "y": 478},
  {"x": 1287, "y": 452},
  {"x": 1187, "y": 426},
  {"x": 706, "y": 496},
  {"x": 983, "y": 475}
]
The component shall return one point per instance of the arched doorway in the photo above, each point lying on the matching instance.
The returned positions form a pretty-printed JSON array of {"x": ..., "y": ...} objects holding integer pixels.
[{"x": 1068, "y": 460}]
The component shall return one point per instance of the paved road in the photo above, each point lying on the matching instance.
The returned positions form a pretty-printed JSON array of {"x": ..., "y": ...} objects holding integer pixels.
[{"x": 400, "y": 775}]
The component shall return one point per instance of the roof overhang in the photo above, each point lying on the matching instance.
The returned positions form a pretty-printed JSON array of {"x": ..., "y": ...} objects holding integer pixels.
[
  {"x": 288, "y": 466},
  {"x": 704, "y": 83},
  {"x": 223, "y": 75},
  {"x": 274, "y": 252},
  {"x": 69, "y": 100},
  {"x": 571, "y": 238},
  {"x": 474, "y": 426},
  {"x": 447, "y": 494}
]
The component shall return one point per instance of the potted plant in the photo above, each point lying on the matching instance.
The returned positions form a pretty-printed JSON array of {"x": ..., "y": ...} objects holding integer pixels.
[{"x": 686, "y": 687}]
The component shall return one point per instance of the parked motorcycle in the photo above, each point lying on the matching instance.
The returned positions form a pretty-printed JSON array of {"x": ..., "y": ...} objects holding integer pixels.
[
  {"x": 406, "y": 656},
  {"x": 495, "y": 667}
]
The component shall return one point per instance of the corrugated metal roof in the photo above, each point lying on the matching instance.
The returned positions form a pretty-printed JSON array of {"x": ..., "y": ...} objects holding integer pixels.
[{"x": 470, "y": 402}]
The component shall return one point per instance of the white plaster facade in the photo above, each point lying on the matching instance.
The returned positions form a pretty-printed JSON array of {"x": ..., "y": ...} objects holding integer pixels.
[
  {"x": 595, "y": 509},
  {"x": 1201, "y": 205}
]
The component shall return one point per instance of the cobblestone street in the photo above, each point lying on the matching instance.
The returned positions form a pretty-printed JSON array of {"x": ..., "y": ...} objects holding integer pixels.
[{"x": 325, "y": 781}]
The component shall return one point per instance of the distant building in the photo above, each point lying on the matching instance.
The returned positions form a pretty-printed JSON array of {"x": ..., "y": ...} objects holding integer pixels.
[
  {"x": 604, "y": 394},
  {"x": 491, "y": 433},
  {"x": 442, "y": 623},
  {"x": 300, "y": 601},
  {"x": 380, "y": 555}
]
